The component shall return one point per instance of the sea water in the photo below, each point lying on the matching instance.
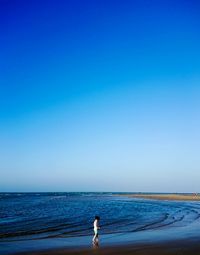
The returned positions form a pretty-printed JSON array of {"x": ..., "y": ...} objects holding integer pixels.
[{"x": 27, "y": 218}]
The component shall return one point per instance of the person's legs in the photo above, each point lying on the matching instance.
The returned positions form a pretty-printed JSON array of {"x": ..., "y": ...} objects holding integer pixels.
[{"x": 95, "y": 238}]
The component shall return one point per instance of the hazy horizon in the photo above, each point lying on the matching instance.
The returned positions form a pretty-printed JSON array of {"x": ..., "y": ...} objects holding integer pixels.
[{"x": 100, "y": 96}]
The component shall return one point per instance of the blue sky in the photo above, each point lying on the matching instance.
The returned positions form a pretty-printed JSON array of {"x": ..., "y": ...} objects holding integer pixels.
[{"x": 99, "y": 96}]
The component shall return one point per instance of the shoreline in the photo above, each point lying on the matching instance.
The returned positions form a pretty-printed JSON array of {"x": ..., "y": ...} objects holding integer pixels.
[
  {"x": 183, "y": 247},
  {"x": 172, "y": 197},
  {"x": 169, "y": 241}
]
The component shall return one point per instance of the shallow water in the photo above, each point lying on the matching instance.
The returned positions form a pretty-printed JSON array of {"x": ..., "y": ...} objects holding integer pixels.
[{"x": 53, "y": 216}]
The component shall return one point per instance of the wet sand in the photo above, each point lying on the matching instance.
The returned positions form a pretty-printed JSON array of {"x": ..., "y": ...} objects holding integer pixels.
[
  {"x": 175, "y": 197},
  {"x": 182, "y": 247}
]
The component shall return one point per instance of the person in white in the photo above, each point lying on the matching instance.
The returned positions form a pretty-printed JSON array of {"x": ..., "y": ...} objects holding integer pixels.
[{"x": 96, "y": 228}]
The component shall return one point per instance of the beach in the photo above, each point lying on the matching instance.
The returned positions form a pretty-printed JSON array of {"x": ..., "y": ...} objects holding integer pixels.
[
  {"x": 183, "y": 247},
  {"x": 188, "y": 246},
  {"x": 61, "y": 223},
  {"x": 173, "y": 197}
]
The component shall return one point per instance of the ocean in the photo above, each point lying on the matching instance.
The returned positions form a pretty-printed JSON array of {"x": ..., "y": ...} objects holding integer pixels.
[{"x": 27, "y": 218}]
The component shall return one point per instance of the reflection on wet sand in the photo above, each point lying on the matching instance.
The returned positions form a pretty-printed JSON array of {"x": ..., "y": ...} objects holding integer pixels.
[{"x": 95, "y": 244}]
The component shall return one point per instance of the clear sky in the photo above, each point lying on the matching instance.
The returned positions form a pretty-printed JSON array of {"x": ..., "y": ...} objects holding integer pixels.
[{"x": 100, "y": 95}]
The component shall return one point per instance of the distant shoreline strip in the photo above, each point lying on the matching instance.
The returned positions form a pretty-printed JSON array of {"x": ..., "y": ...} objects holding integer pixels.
[{"x": 179, "y": 197}]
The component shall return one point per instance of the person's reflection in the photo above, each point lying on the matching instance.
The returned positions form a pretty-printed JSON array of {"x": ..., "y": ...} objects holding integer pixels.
[{"x": 96, "y": 244}]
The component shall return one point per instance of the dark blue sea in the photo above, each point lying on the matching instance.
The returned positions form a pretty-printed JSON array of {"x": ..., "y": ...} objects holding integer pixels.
[{"x": 65, "y": 219}]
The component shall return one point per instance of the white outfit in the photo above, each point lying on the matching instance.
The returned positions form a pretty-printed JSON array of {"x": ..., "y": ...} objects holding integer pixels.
[{"x": 96, "y": 227}]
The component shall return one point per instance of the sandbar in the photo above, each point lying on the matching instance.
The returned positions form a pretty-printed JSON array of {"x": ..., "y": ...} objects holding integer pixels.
[{"x": 175, "y": 197}]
